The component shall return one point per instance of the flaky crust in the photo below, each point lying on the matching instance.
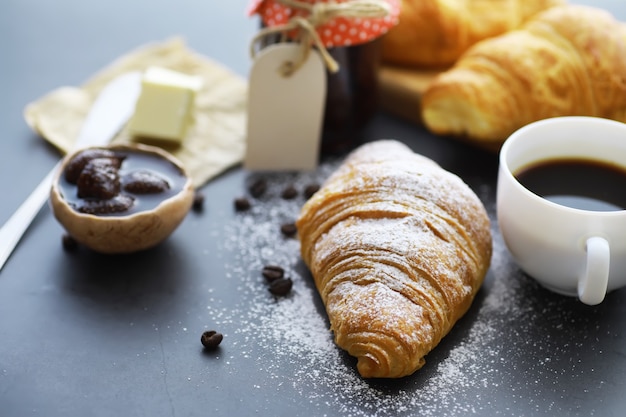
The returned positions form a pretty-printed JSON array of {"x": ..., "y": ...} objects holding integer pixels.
[
  {"x": 434, "y": 33},
  {"x": 569, "y": 60},
  {"x": 398, "y": 248}
]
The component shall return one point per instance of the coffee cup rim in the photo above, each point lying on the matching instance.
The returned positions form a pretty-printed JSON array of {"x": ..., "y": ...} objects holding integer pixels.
[{"x": 514, "y": 137}]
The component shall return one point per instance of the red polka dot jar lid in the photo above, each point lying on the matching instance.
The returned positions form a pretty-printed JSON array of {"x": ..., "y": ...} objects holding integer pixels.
[{"x": 339, "y": 31}]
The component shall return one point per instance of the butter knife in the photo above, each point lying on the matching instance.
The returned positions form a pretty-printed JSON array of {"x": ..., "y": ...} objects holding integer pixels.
[{"x": 108, "y": 114}]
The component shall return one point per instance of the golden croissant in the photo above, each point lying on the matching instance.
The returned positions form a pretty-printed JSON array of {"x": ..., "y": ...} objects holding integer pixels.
[
  {"x": 434, "y": 33},
  {"x": 398, "y": 247},
  {"x": 569, "y": 60}
]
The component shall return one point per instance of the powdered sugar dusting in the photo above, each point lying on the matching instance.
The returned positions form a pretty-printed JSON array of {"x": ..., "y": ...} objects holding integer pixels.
[{"x": 459, "y": 374}]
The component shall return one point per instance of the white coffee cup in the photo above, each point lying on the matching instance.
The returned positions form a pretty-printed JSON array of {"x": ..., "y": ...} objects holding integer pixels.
[{"x": 568, "y": 250}]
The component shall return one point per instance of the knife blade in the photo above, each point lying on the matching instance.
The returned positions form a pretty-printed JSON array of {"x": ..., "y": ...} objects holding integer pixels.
[{"x": 110, "y": 111}]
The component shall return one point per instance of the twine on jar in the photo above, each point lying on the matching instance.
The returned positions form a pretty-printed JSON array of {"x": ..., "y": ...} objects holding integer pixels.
[{"x": 319, "y": 14}]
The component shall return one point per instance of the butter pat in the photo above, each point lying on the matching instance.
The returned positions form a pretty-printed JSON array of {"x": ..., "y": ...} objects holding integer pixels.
[{"x": 164, "y": 109}]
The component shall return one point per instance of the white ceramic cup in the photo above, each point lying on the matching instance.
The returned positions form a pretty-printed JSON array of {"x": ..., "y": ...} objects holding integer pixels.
[{"x": 570, "y": 251}]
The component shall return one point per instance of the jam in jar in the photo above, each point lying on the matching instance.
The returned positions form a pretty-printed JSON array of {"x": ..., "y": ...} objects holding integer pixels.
[{"x": 351, "y": 97}]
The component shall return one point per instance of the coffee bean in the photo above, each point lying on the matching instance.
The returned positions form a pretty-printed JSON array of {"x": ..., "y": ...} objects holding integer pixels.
[
  {"x": 258, "y": 188},
  {"x": 273, "y": 272},
  {"x": 290, "y": 192},
  {"x": 281, "y": 286},
  {"x": 69, "y": 243},
  {"x": 211, "y": 339},
  {"x": 311, "y": 189},
  {"x": 242, "y": 204},
  {"x": 289, "y": 229},
  {"x": 198, "y": 201}
]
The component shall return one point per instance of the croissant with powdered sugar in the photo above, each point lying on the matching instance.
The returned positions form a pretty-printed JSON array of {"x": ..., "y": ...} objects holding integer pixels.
[{"x": 398, "y": 247}]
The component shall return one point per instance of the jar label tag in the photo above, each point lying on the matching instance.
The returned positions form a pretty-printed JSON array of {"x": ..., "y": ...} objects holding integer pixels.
[{"x": 285, "y": 112}]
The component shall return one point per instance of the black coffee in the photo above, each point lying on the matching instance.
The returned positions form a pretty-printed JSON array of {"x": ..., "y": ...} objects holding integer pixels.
[{"x": 577, "y": 183}]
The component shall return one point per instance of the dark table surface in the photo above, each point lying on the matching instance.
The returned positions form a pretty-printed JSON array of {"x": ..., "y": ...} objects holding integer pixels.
[{"x": 83, "y": 334}]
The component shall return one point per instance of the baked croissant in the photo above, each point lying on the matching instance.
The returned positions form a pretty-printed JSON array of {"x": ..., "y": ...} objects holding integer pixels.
[
  {"x": 398, "y": 248},
  {"x": 569, "y": 60},
  {"x": 434, "y": 33}
]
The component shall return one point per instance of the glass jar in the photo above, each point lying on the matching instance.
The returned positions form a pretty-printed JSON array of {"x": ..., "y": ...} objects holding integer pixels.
[
  {"x": 354, "y": 43},
  {"x": 351, "y": 94}
]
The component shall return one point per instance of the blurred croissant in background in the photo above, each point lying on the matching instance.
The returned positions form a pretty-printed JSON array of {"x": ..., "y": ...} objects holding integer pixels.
[
  {"x": 434, "y": 33},
  {"x": 568, "y": 60}
]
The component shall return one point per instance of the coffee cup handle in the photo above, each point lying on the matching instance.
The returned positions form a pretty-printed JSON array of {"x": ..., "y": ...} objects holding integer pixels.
[{"x": 593, "y": 284}]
